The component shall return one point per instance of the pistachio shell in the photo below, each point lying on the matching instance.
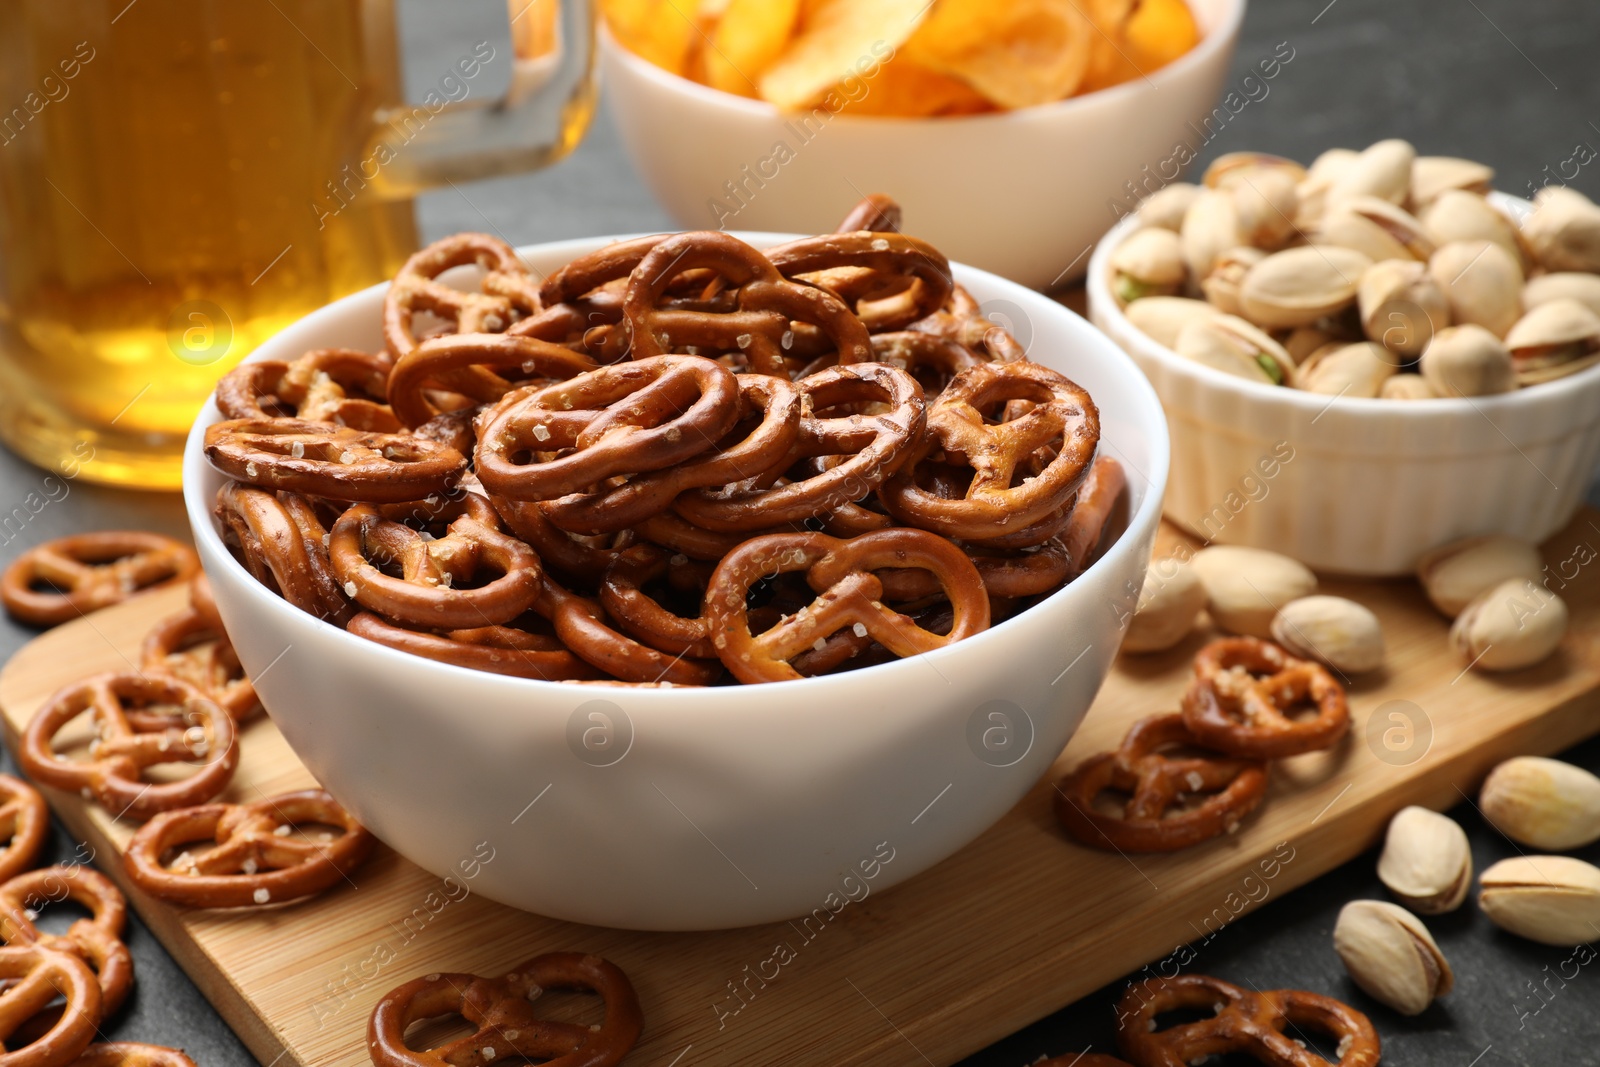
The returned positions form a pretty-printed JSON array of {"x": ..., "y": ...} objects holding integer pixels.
[
  {"x": 1266, "y": 203},
  {"x": 1298, "y": 286},
  {"x": 1391, "y": 955},
  {"x": 1332, "y": 164},
  {"x": 1304, "y": 340},
  {"x": 1407, "y": 387},
  {"x": 1554, "y": 900},
  {"x": 1467, "y": 361},
  {"x": 1383, "y": 170},
  {"x": 1166, "y": 206},
  {"x": 1482, "y": 282},
  {"x": 1233, "y": 346},
  {"x": 1233, "y": 167},
  {"x": 1432, "y": 176},
  {"x": 1462, "y": 216},
  {"x": 1402, "y": 307},
  {"x": 1222, "y": 285},
  {"x": 1516, "y": 624},
  {"x": 1555, "y": 339},
  {"x": 1338, "y": 632},
  {"x": 1149, "y": 263},
  {"x": 1426, "y": 862},
  {"x": 1169, "y": 602},
  {"x": 1562, "y": 285},
  {"x": 1543, "y": 803},
  {"x": 1357, "y": 370},
  {"x": 1455, "y": 574},
  {"x": 1210, "y": 228},
  {"x": 1563, "y": 231},
  {"x": 1376, "y": 228},
  {"x": 1162, "y": 318},
  {"x": 1246, "y": 587}
]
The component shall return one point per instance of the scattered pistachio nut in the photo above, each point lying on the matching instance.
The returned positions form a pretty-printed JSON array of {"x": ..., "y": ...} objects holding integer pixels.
[
  {"x": 1426, "y": 862},
  {"x": 1516, "y": 624},
  {"x": 1461, "y": 216},
  {"x": 1401, "y": 306},
  {"x": 1231, "y": 168},
  {"x": 1562, "y": 285},
  {"x": 1382, "y": 170},
  {"x": 1338, "y": 632},
  {"x": 1221, "y": 286},
  {"x": 1265, "y": 204},
  {"x": 1481, "y": 281},
  {"x": 1543, "y": 803},
  {"x": 1349, "y": 370},
  {"x": 1455, "y": 574},
  {"x": 1162, "y": 318},
  {"x": 1564, "y": 230},
  {"x": 1233, "y": 346},
  {"x": 1210, "y": 228},
  {"x": 1431, "y": 176},
  {"x": 1166, "y": 206},
  {"x": 1554, "y": 900},
  {"x": 1407, "y": 387},
  {"x": 1246, "y": 587},
  {"x": 1555, "y": 339},
  {"x": 1467, "y": 361},
  {"x": 1391, "y": 956},
  {"x": 1376, "y": 228},
  {"x": 1169, "y": 603},
  {"x": 1149, "y": 263},
  {"x": 1298, "y": 286}
]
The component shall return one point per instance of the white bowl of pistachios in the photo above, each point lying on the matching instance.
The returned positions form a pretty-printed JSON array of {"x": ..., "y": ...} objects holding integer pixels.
[{"x": 1364, "y": 358}]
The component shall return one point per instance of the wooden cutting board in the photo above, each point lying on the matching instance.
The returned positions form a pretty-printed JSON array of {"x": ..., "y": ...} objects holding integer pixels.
[{"x": 1016, "y": 925}]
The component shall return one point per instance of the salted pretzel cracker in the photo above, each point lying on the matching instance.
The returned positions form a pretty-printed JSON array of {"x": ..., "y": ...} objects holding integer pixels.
[
  {"x": 574, "y": 558},
  {"x": 887, "y": 256},
  {"x": 640, "y": 616},
  {"x": 131, "y": 1054},
  {"x": 507, "y": 1026},
  {"x": 133, "y": 734},
  {"x": 190, "y": 646},
  {"x": 253, "y": 859},
  {"x": 474, "y": 575},
  {"x": 343, "y": 386},
  {"x": 625, "y": 418},
  {"x": 875, "y": 212},
  {"x": 96, "y": 940},
  {"x": 1267, "y": 1027},
  {"x": 279, "y": 539},
  {"x": 768, "y": 306},
  {"x": 496, "y": 649},
  {"x": 584, "y": 627},
  {"x": 24, "y": 825},
  {"x": 962, "y": 320},
  {"x": 1004, "y": 494},
  {"x": 332, "y": 461},
  {"x": 31, "y": 978},
  {"x": 1243, "y": 691},
  {"x": 87, "y": 572},
  {"x": 508, "y": 290},
  {"x": 1156, "y": 782},
  {"x": 872, "y": 446},
  {"x": 470, "y": 364},
  {"x": 850, "y": 596}
]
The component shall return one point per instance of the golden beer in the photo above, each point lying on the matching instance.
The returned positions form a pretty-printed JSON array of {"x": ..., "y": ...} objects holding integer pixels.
[{"x": 179, "y": 179}]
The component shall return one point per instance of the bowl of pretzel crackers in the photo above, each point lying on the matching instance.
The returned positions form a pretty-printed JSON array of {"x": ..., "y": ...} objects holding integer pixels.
[{"x": 682, "y": 571}]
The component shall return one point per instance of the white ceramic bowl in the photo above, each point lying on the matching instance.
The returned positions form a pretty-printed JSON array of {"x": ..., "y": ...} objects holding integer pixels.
[
  {"x": 727, "y": 806},
  {"x": 1024, "y": 194},
  {"x": 1369, "y": 485}
]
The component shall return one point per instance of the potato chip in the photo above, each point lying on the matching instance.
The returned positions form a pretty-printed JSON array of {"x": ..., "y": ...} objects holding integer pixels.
[
  {"x": 1018, "y": 54},
  {"x": 838, "y": 40},
  {"x": 905, "y": 89},
  {"x": 1160, "y": 31},
  {"x": 659, "y": 31},
  {"x": 749, "y": 37}
]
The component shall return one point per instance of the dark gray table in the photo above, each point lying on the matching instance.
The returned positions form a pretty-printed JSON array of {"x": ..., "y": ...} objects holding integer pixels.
[{"x": 1511, "y": 84}]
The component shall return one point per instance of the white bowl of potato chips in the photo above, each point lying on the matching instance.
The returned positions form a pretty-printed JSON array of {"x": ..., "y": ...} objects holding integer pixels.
[{"x": 986, "y": 121}]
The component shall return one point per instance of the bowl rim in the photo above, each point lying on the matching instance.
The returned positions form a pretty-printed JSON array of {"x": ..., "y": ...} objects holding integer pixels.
[
  {"x": 1104, "y": 308},
  {"x": 198, "y": 508},
  {"x": 1222, "y": 36}
]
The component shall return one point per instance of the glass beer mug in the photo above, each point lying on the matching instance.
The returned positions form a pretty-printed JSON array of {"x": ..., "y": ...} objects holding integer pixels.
[{"x": 181, "y": 178}]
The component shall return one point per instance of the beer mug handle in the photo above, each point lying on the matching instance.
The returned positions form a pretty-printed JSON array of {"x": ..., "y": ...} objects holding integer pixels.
[{"x": 541, "y": 117}]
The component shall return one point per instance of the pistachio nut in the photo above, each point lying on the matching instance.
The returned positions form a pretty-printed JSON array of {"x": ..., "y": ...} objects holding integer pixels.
[
  {"x": 1563, "y": 285},
  {"x": 1461, "y": 216},
  {"x": 1304, "y": 340},
  {"x": 1553, "y": 340},
  {"x": 1375, "y": 228},
  {"x": 1222, "y": 285},
  {"x": 1331, "y": 165},
  {"x": 1148, "y": 262},
  {"x": 1162, "y": 318},
  {"x": 1233, "y": 346},
  {"x": 1313, "y": 190},
  {"x": 1563, "y": 232},
  {"x": 1516, "y": 624},
  {"x": 1357, "y": 370},
  {"x": 1210, "y": 228},
  {"x": 1543, "y": 803},
  {"x": 1338, "y": 632},
  {"x": 1467, "y": 361},
  {"x": 1233, "y": 167},
  {"x": 1432, "y": 176},
  {"x": 1407, "y": 387},
  {"x": 1170, "y": 601},
  {"x": 1266, "y": 203},
  {"x": 1298, "y": 286},
  {"x": 1554, "y": 900},
  {"x": 1382, "y": 170},
  {"x": 1391, "y": 955},
  {"x": 1246, "y": 587},
  {"x": 1166, "y": 206},
  {"x": 1482, "y": 282},
  {"x": 1455, "y": 574},
  {"x": 1426, "y": 862},
  {"x": 1402, "y": 307}
]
